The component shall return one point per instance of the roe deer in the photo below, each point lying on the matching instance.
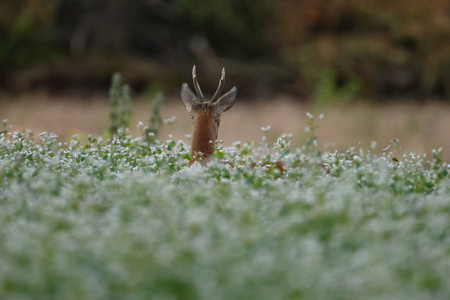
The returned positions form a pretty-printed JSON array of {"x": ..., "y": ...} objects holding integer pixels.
[{"x": 205, "y": 116}]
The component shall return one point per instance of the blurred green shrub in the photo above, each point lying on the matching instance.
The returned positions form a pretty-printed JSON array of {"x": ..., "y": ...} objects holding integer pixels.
[
  {"x": 235, "y": 28},
  {"x": 328, "y": 90},
  {"x": 379, "y": 48},
  {"x": 26, "y": 30},
  {"x": 156, "y": 120},
  {"x": 120, "y": 105},
  {"x": 394, "y": 47}
]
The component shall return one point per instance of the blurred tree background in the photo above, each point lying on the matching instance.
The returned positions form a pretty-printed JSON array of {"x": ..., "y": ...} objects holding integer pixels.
[{"x": 315, "y": 49}]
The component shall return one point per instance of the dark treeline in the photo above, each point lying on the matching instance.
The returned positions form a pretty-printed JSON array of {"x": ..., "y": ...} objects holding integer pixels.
[{"x": 318, "y": 49}]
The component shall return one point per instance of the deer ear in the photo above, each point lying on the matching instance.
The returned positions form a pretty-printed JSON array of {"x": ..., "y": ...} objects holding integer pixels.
[
  {"x": 226, "y": 102},
  {"x": 187, "y": 96}
]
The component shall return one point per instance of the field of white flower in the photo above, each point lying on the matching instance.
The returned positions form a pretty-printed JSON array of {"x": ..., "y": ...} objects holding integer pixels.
[{"x": 122, "y": 218}]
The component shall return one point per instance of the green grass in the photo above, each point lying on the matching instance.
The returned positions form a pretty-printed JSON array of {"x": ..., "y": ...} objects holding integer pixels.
[{"x": 123, "y": 219}]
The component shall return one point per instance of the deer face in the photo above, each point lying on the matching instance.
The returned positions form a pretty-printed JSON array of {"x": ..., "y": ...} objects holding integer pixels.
[{"x": 206, "y": 114}]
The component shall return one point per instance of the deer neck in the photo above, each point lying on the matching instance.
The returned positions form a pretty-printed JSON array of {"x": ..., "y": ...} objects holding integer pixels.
[{"x": 203, "y": 136}]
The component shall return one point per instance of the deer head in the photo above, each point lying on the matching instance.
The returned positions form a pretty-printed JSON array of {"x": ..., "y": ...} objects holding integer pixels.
[{"x": 206, "y": 115}]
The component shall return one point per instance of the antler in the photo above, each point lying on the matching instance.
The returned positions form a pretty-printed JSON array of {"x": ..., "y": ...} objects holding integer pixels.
[
  {"x": 220, "y": 87},
  {"x": 196, "y": 85}
]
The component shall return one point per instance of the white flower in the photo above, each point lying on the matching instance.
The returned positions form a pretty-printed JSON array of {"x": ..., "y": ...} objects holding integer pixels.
[{"x": 170, "y": 121}]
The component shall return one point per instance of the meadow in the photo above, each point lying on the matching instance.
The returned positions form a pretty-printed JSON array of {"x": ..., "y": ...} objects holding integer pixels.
[
  {"x": 420, "y": 127},
  {"x": 97, "y": 198},
  {"x": 123, "y": 217}
]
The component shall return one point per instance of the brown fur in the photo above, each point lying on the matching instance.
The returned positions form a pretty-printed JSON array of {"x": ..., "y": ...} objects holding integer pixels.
[{"x": 204, "y": 135}]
